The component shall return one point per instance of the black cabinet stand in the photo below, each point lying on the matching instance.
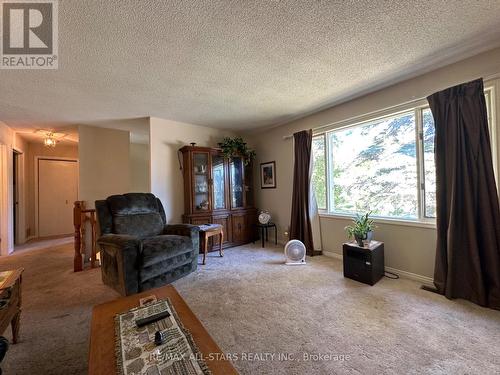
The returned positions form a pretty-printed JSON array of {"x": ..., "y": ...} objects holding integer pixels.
[
  {"x": 264, "y": 234},
  {"x": 364, "y": 264}
]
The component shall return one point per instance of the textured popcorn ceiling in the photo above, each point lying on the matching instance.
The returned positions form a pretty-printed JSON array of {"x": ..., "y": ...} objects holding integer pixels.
[{"x": 237, "y": 64}]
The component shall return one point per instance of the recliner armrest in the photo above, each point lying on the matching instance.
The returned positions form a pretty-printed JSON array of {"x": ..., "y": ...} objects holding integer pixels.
[
  {"x": 187, "y": 230},
  {"x": 120, "y": 261}
]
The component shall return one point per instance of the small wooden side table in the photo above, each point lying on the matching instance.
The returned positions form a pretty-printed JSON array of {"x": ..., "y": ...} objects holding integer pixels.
[
  {"x": 209, "y": 230},
  {"x": 10, "y": 292}
]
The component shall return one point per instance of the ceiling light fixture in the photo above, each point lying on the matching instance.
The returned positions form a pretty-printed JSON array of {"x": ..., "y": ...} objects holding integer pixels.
[{"x": 49, "y": 140}]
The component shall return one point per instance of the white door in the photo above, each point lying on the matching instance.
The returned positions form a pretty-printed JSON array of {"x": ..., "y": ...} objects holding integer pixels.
[{"x": 57, "y": 191}]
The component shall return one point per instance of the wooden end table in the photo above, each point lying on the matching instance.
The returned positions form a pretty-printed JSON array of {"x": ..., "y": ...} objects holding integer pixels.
[
  {"x": 10, "y": 289},
  {"x": 102, "y": 353},
  {"x": 209, "y": 230}
]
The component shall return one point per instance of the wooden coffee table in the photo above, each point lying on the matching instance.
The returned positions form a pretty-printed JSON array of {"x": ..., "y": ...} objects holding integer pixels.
[{"x": 102, "y": 359}]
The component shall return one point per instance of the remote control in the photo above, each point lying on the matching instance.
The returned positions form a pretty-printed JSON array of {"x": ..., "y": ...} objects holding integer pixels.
[{"x": 152, "y": 318}]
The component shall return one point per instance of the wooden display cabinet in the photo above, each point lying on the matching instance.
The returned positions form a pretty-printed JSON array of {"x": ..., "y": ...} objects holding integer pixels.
[{"x": 219, "y": 190}]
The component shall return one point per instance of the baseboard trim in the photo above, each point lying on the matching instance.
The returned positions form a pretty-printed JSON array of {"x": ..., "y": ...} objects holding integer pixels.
[
  {"x": 427, "y": 281},
  {"x": 332, "y": 255}
]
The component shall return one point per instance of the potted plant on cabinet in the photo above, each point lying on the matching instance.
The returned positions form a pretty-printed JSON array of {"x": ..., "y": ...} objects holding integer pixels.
[
  {"x": 236, "y": 147},
  {"x": 361, "y": 229}
]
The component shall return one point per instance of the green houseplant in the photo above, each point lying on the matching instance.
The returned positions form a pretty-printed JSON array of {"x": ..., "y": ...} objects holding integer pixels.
[
  {"x": 361, "y": 228},
  {"x": 236, "y": 147}
]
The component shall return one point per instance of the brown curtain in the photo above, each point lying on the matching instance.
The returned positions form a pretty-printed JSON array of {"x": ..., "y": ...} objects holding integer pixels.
[
  {"x": 300, "y": 226},
  {"x": 468, "y": 216}
]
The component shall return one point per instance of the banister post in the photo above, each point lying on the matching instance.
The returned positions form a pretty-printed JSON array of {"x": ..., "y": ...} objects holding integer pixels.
[
  {"x": 77, "y": 222},
  {"x": 93, "y": 256}
]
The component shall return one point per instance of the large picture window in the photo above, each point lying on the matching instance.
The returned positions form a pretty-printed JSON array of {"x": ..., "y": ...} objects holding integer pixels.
[{"x": 384, "y": 165}]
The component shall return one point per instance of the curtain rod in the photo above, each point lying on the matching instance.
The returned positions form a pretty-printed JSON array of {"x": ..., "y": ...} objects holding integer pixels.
[{"x": 350, "y": 119}]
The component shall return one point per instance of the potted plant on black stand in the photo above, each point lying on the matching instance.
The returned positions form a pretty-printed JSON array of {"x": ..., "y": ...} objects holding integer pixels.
[{"x": 361, "y": 229}]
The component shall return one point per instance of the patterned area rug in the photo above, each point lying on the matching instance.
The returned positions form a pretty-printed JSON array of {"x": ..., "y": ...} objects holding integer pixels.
[{"x": 136, "y": 352}]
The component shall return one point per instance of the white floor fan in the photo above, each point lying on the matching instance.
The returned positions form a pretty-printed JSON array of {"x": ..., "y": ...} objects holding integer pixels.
[{"x": 295, "y": 253}]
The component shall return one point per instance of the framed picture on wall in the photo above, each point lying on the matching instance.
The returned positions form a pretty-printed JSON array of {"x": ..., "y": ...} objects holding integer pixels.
[{"x": 268, "y": 175}]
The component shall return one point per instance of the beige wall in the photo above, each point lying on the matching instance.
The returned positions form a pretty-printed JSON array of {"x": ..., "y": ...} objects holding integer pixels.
[
  {"x": 6, "y": 192},
  {"x": 6, "y": 135},
  {"x": 409, "y": 249},
  {"x": 19, "y": 143},
  {"x": 166, "y": 177},
  {"x": 140, "y": 180},
  {"x": 104, "y": 156},
  {"x": 13, "y": 141}
]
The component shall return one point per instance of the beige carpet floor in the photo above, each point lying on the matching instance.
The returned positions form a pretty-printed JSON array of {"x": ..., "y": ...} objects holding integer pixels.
[{"x": 257, "y": 309}]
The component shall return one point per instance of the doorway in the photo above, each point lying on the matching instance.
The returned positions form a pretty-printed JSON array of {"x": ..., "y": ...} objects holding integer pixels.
[
  {"x": 57, "y": 191},
  {"x": 15, "y": 191}
]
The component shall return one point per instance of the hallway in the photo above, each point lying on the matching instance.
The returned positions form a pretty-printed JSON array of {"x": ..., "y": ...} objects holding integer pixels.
[{"x": 42, "y": 244}]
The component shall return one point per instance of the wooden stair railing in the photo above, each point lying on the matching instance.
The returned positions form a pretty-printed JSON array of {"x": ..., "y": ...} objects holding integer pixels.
[{"x": 82, "y": 216}]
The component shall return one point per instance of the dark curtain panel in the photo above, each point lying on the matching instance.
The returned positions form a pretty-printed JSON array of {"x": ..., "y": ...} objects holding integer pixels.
[
  {"x": 300, "y": 227},
  {"x": 468, "y": 215}
]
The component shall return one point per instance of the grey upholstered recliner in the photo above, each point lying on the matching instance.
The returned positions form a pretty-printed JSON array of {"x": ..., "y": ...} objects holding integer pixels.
[{"x": 138, "y": 250}]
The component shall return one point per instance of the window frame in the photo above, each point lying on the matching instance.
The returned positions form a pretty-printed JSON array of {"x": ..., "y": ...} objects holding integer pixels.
[
  {"x": 419, "y": 128},
  {"x": 417, "y": 107},
  {"x": 493, "y": 105},
  {"x": 327, "y": 192}
]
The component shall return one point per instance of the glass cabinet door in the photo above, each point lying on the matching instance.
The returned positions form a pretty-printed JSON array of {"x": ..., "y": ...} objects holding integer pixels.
[
  {"x": 249, "y": 186},
  {"x": 200, "y": 180},
  {"x": 219, "y": 182},
  {"x": 237, "y": 186}
]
